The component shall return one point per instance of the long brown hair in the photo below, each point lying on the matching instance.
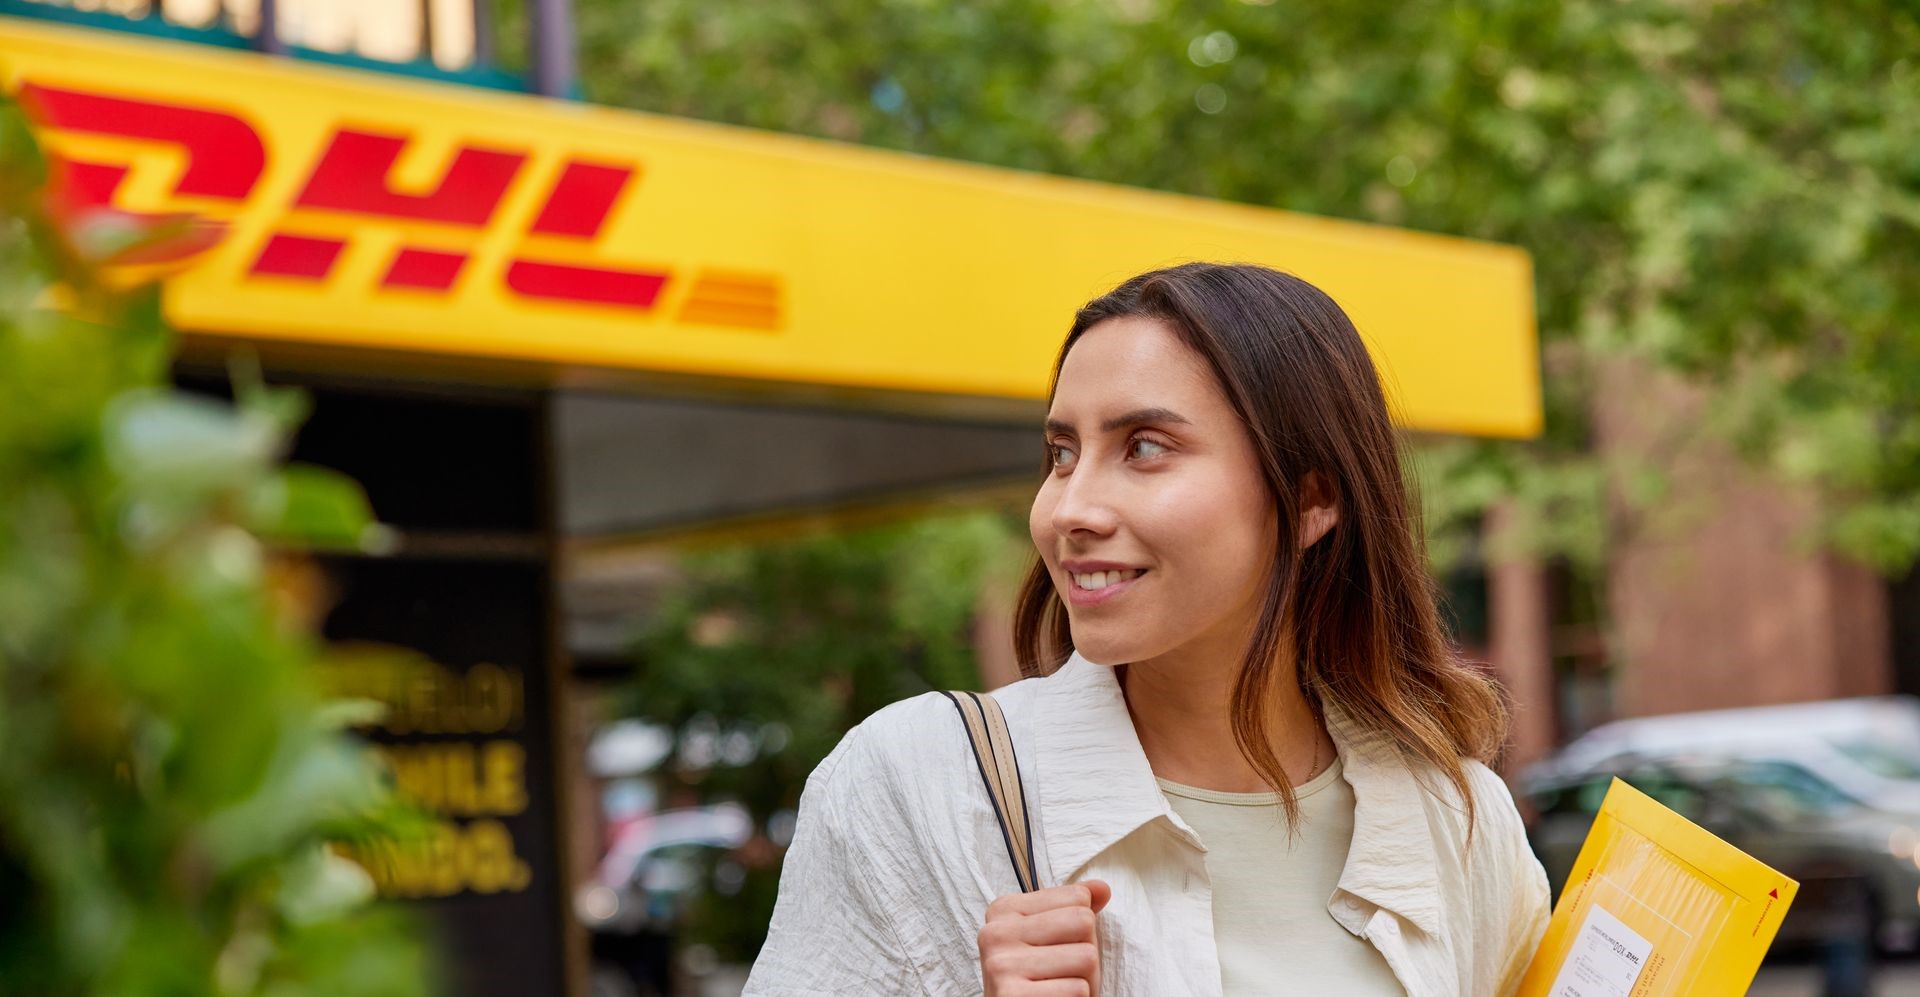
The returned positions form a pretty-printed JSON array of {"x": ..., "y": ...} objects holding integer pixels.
[{"x": 1356, "y": 611}]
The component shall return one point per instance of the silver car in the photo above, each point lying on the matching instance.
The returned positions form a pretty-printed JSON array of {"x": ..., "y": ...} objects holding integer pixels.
[
  {"x": 1868, "y": 748},
  {"x": 1858, "y": 866}
]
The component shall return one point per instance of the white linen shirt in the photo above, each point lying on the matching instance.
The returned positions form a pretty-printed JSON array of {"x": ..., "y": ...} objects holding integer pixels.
[{"x": 897, "y": 853}]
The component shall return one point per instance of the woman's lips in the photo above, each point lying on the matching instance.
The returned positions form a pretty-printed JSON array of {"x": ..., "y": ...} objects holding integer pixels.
[{"x": 1093, "y": 597}]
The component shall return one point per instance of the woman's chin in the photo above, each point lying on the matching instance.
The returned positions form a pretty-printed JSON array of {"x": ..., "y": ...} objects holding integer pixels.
[{"x": 1104, "y": 648}]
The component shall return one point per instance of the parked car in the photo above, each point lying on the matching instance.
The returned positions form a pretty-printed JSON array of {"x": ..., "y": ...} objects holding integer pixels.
[
  {"x": 635, "y": 902},
  {"x": 1867, "y": 748},
  {"x": 1856, "y": 864}
]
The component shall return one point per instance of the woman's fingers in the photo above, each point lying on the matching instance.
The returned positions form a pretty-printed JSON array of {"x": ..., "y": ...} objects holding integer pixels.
[
  {"x": 1070, "y": 895},
  {"x": 1043, "y": 962},
  {"x": 1058, "y": 988},
  {"x": 1045, "y": 942},
  {"x": 1056, "y": 927}
]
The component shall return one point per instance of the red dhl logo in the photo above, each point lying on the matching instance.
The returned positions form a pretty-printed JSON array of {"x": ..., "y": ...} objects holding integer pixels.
[{"x": 225, "y": 159}]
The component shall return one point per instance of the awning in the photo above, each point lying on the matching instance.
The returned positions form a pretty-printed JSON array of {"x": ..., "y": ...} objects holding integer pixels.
[{"x": 391, "y": 219}]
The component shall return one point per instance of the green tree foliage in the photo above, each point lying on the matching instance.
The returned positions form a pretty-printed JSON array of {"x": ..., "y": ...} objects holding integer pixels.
[
  {"x": 169, "y": 780},
  {"x": 1725, "y": 191},
  {"x": 788, "y": 645}
]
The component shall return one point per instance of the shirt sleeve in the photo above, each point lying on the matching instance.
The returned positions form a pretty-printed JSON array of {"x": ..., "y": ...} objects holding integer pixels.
[
  {"x": 1531, "y": 907},
  {"x": 829, "y": 933}
]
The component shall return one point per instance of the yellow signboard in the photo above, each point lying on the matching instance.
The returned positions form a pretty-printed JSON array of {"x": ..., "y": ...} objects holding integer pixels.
[{"x": 354, "y": 210}]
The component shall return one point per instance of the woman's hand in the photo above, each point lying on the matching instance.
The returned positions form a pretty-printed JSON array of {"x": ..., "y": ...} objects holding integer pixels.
[{"x": 1045, "y": 942}]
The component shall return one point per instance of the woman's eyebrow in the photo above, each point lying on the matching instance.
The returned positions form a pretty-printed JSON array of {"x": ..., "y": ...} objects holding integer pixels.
[{"x": 1125, "y": 420}]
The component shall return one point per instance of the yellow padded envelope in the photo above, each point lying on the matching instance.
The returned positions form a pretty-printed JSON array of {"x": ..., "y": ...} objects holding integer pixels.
[{"x": 1657, "y": 905}]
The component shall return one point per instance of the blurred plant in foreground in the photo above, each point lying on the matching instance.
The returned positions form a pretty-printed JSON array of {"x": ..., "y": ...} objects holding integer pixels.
[{"x": 169, "y": 780}]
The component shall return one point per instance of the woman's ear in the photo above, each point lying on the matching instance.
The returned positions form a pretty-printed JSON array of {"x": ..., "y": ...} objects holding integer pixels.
[{"x": 1319, "y": 509}]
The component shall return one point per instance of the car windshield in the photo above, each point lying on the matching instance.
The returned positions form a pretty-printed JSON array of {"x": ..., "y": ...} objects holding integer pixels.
[
  {"x": 1586, "y": 797},
  {"x": 1785, "y": 791},
  {"x": 1880, "y": 759}
]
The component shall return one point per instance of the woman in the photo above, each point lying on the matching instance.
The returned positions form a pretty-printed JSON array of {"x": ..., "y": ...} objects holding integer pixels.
[{"x": 1254, "y": 763}]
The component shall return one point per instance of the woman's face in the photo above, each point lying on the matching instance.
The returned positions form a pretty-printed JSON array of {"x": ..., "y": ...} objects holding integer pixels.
[{"x": 1154, "y": 522}]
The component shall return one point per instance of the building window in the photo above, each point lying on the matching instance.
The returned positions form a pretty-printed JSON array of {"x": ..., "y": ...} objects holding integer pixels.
[{"x": 443, "y": 31}]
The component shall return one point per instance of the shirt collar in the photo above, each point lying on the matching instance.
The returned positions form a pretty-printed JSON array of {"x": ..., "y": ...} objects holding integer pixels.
[
  {"x": 1095, "y": 788},
  {"x": 1392, "y": 863}
]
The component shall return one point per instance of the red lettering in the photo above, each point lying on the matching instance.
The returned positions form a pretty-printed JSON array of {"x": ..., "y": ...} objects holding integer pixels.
[
  {"x": 423, "y": 268},
  {"x": 225, "y": 158},
  {"x": 76, "y": 184},
  {"x": 79, "y": 189},
  {"x": 581, "y": 199},
  {"x": 301, "y": 256},
  {"x": 586, "y": 285},
  {"x": 353, "y": 175},
  {"x": 224, "y": 154}
]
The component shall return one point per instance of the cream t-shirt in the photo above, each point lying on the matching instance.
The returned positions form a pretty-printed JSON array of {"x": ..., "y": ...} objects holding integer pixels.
[{"x": 1270, "y": 891}]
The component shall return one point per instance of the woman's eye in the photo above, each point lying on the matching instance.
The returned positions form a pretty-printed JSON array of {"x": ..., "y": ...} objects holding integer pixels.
[
  {"x": 1138, "y": 442},
  {"x": 1058, "y": 456}
]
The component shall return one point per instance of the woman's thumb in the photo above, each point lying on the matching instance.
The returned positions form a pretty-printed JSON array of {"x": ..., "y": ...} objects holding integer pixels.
[{"x": 1101, "y": 893}]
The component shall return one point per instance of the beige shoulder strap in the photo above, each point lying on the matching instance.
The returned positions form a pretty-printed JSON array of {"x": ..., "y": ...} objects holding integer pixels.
[{"x": 993, "y": 753}]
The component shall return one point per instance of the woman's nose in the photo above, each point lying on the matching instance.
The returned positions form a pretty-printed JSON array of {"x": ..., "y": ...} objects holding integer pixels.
[{"x": 1083, "y": 506}]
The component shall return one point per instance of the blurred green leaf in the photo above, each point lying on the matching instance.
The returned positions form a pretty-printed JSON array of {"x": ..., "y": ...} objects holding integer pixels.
[
  {"x": 314, "y": 507},
  {"x": 322, "y": 886},
  {"x": 167, "y": 441},
  {"x": 170, "y": 777}
]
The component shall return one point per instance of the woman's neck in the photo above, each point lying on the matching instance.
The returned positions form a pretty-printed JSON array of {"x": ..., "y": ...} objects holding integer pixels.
[{"x": 1181, "y": 704}]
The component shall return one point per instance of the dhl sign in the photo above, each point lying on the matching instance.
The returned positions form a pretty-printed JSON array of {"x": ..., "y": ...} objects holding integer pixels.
[
  {"x": 360, "y": 212},
  {"x": 224, "y": 159}
]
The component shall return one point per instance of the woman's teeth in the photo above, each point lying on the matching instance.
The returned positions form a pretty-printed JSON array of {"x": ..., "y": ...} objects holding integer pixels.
[{"x": 1101, "y": 579}]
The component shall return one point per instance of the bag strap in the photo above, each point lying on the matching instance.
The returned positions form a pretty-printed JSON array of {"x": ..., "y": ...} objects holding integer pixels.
[{"x": 993, "y": 754}]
